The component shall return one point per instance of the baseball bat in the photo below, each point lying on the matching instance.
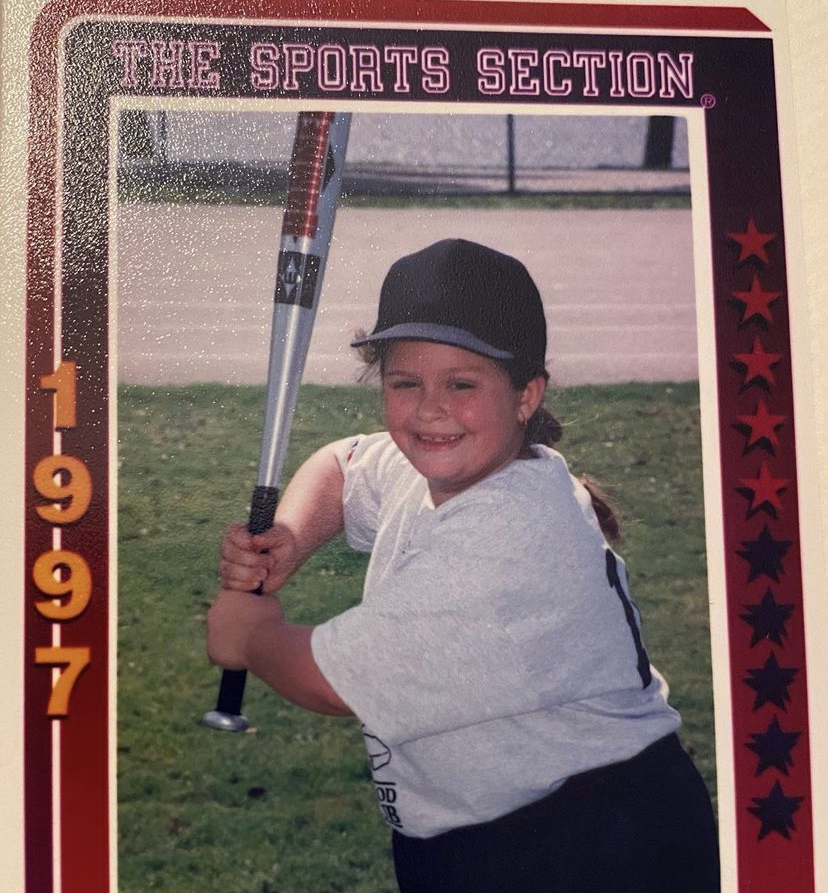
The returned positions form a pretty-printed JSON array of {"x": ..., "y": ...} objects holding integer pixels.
[{"x": 314, "y": 186}]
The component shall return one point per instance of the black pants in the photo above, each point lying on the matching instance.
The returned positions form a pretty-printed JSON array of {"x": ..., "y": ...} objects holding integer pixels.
[{"x": 642, "y": 826}]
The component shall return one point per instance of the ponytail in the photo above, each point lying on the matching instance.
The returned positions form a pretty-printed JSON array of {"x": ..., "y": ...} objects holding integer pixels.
[
  {"x": 603, "y": 508},
  {"x": 543, "y": 428}
]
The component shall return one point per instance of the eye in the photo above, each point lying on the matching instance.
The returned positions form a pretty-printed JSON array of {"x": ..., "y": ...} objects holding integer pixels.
[
  {"x": 462, "y": 385},
  {"x": 401, "y": 384}
]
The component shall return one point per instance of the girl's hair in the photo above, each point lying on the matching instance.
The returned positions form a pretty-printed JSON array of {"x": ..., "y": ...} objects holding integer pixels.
[{"x": 542, "y": 428}]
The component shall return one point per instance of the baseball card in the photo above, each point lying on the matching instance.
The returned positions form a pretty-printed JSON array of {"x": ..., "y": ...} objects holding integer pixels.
[{"x": 201, "y": 204}]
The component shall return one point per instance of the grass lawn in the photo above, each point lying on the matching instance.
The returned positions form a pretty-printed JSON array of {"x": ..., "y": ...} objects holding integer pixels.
[{"x": 288, "y": 807}]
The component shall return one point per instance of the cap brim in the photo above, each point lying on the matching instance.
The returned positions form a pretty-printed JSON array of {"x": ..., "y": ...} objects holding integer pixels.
[{"x": 418, "y": 331}]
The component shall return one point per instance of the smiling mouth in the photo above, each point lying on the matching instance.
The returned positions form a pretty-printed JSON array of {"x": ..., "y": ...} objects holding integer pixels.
[{"x": 437, "y": 439}]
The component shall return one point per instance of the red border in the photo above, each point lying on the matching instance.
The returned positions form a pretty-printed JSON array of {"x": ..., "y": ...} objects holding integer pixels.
[
  {"x": 39, "y": 346},
  {"x": 447, "y": 12}
]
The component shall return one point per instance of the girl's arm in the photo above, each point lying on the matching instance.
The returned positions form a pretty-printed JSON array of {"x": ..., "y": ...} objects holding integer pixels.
[
  {"x": 308, "y": 515},
  {"x": 248, "y": 632}
]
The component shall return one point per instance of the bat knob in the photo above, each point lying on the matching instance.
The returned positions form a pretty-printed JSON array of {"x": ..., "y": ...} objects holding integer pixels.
[{"x": 225, "y": 722}]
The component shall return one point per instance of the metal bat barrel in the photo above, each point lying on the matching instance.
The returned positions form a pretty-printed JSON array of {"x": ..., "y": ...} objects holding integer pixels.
[
  {"x": 310, "y": 210},
  {"x": 314, "y": 185}
]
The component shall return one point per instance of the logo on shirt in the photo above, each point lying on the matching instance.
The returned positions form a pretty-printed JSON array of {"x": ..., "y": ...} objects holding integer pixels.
[
  {"x": 387, "y": 797},
  {"x": 380, "y": 756},
  {"x": 351, "y": 451},
  {"x": 378, "y": 753}
]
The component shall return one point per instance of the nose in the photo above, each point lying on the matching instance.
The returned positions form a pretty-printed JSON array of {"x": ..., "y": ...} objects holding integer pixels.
[{"x": 431, "y": 405}]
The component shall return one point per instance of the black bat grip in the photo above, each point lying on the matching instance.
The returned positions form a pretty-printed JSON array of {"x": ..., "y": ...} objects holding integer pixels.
[
  {"x": 262, "y": 508},
  {"x": 231, "y": 690}
]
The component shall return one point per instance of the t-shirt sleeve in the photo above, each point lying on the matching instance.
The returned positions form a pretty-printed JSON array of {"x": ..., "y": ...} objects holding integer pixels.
[
  {"x": 468, "y": 630},
  {"x": 363, "y": 459}
]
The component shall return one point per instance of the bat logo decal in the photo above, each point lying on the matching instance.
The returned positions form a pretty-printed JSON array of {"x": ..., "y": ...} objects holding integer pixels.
[{"x": 296, "y": 281}]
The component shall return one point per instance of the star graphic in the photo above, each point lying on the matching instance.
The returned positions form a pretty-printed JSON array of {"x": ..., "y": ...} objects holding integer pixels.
[
  {"x": 771, "y": 684},
  {"x": 776, "y": 812},
  {"x": 765, "y": 489},
  {"x": 768, "y": 619},
  {"x": 757, "y": 301},
  {"x": 764, "y": 555},
  {"x": 773, "y": 747},
  {"x": 762, "y": 425},
  {"x": 752, "y": 242},
  {"x": 758, "y": 363}
]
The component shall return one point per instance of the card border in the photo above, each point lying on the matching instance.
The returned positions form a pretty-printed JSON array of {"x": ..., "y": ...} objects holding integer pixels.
[{"x": 527, "y": 10}]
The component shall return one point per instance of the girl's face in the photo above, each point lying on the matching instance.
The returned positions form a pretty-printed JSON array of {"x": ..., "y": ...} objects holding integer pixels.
[{"x": 455, "y": 415}]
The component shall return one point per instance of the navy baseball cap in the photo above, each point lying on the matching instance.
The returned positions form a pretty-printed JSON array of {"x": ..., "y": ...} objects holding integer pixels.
[{"x": 465, "y": 295}]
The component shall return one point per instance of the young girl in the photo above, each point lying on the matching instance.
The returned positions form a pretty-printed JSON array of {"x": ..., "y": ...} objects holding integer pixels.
[{"x": 519, "y": 739}]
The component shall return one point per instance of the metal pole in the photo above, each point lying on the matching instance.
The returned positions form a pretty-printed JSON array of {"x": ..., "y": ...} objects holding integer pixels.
[
  {"x": 658, "y": 154},
  {"x": 510, "y": 148}
]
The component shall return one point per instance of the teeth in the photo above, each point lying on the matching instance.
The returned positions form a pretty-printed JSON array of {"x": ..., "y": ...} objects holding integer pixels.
[{"x": 439, "y": 438}]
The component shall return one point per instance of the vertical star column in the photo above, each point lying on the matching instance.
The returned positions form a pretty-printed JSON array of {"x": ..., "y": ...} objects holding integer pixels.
[{"x": 765, "y": 598}]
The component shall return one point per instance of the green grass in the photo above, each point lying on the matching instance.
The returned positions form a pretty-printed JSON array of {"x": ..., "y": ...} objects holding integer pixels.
[{"x": 288, "y": 807}]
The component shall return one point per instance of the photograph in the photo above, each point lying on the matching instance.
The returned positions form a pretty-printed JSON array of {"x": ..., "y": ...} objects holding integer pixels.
[{"x": 596, "y": 235}]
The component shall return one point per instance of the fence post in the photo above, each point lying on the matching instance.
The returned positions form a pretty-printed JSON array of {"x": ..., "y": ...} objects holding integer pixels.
[
  {"x": 510, "y": 149},
  {"x": 658, "y": 154}
]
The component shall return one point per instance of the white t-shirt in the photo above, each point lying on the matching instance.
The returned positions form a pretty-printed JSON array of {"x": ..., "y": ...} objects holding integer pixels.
[{"x": 495, "y": 652}]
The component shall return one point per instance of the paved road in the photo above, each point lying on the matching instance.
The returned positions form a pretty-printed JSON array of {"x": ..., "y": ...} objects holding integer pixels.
[{"x": 195, "y": 286}]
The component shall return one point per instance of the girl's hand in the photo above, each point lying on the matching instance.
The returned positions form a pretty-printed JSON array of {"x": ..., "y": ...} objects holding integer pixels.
[
  {"x": 231, "y": 621},
  {"x": 248, "y": 561},
  {"x": 248, "y": 632}
]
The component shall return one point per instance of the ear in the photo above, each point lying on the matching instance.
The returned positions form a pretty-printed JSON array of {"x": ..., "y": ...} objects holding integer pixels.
[{"x": 531, "y": 397}]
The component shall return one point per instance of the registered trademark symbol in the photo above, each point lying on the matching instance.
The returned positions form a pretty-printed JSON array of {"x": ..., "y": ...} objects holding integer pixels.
[{"x": 707, "y": 101}]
